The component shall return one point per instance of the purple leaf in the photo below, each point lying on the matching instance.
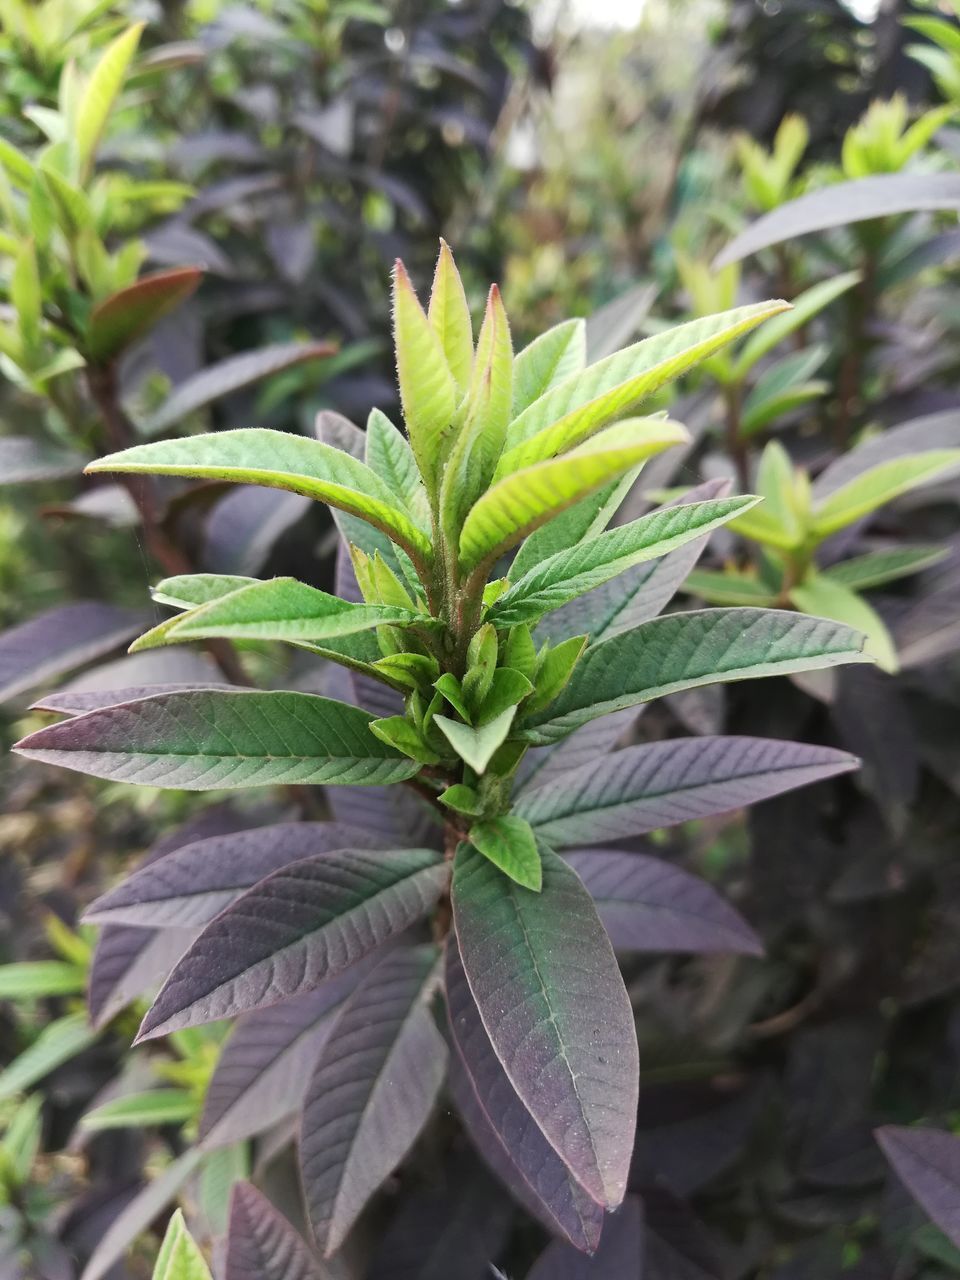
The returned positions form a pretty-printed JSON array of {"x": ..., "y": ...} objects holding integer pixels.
[
  {"x": 297, "y": 927},
  {"x": 76, "y": 702},
  {"x": 648, "y": 905},
  {"x": 641, "y": 789},
  {"x": 374, "y": 1085},
  {"x": 262, "y": 1245},
  {"x": 933, "y": 431},
  {"x": 244, "y": 525},
  {"x": 927, "y": 1161},
  {"x": 25, "y": 461},
  {"x": 263, "y": 1070},
  {"x": 503, "y": 1129},
  {"x": 596, "y": 738},
  {"x": 619, "y": 1257},
  {"x": 196, "y": 882},
  {"x": 565, "y": 1034},
  {"x": 61, "y": 639}
]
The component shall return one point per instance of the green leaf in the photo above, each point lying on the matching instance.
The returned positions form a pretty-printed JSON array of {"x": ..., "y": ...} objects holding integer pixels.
[
  {"x": 56, "y": 1044},
  {"x": 555, "y": 670},
  {"x": 449, "y": 317},
  {"x": 757, "y": 416},
  {"x": 70, "y": 203},
  {"x": 16, "y": 165},
  {"x": 507, "y": 689},
  {"x": 282, "y": 609},
  {"x": 427, "y": 390},
  {"x": 760, "y": 525},
  {"x": 35, "y": 979},
  {"x": 583, "y": 520},
  {"x": 510, "y": 844},
  {"x": 124, "y": 317},
  {"x": 141, "y": 1110},
  {"x": 876, "y": 568},
  {"x": 521, "y": 502},
  {"x": 585, "y": 402},
  {"x": 398, "y": 732},
  {"x": 573, "y": 572},
  {"x": 277, "y": 460},
  {"x": 805, "y": 307},
  {"x": 547, "y": 361},
  {"x": 21, "y": 1142},
  {"x": 826, "y": 598},
  {"x": 461, "y": 798},
  {"x": 179, "y": 1257},
  {"x": 207, "y": 739},
  {"x": 476, "y": 451},
  {"x": 685, "y": 650},
  {"x": 881, "y": 484},
  {"x": 191, "y": 589},
  {"x": 728, "y": 588},
  {"x": 98, "y": 97},
  {"x": 450, "y": 687},
  {"x": 389, "y": 455},
  {"x": 26, "y": 296},
  {"x": 476, "y": 746}
]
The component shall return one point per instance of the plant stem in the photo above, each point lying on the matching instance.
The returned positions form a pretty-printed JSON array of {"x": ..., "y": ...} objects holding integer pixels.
[{"x": 733, "y": 401}]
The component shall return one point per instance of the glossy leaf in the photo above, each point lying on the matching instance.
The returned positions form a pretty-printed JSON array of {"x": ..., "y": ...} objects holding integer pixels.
[
  {"x": 621, "y": 1252},
  {"x": 315, "y": 919},
  {"x": 280, "y": 461},
  {"x": 126, "y": 316},
  {"x": 505, "y": 1132},
  {"x": 587, "y": 401},
  {"x": 566, "y": 1036},
  {"x": 881, "y": 484},
  {"x": 57, "y": 1043},
  {"x": 647, "y": 904},
  {"x": 571, "y": 573},
  {"x": 510, "y": 845},
  {"x": 827, "y": 598},
  {"x": 194, "y": 883},
  {"x": 206, "y": 740},
  {"x": 527, "y": 498},
  {"x": 100, "y": 93},
  {"x": 374, "y": 1085},
  {"x": 841, "y": 204},
  {"x": 641, "y": 789},
  {"x": 927, "y": 1161},
  {"x": 261, "y": 1244},
  {"x": 26, "y": 461},
  {"x": 228, "y": 376},
  {"x": 682, "y": 651},
  {"x": 60, "y": 639},
  {"x": 547, "y": 361}
]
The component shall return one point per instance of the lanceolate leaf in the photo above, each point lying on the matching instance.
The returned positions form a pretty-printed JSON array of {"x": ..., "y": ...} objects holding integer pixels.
[
  {"x": 881, "y": 484},
  {"x": 585, "y": 519},
  {"x": 932, "y": 431},
  {"x": 566, "y": 1036},
  {"x": 280, "y": 461},
  {"x": 828, "y": 598},
  {"x": 227, "y": 376},
  {"x": 641, "y": 789},
  {"x": 449, "y": 318},
  {"x": 57, "y": 1043},
  {"x": 876, "y": 568},
  {"x": 375, "y": 1082},
  {"x": 525, "y": 499},
  {"x": 127, "y": 315},
  {"x": 192, "y": 589},
  {"x": 547, "y": 361},
  {"x": 621, "y": 1253},
  {"x": 262, "y": 1245},
  {"x": 74, "y": 702},
  {"x": 179, "y": 1257},
  {"x": 683, "y": 650},
  {"x": 314, "y": 919},
  {"x": 60, "y": 639},
  {"x": 262, "y": 1072},
  {"x": 927, "y": 1161},
  {"x": 648, "y": 905},
  {"x": 587, "y": 401},
  {"x": 26, "y": 461},
  {"x": 504, "y": 1130},
  {"x": 569, "y": 574},
  {"x": 96, "y": 101},
  {"x": 207, "y": 740},
  {"x": 193, "y": 884}
]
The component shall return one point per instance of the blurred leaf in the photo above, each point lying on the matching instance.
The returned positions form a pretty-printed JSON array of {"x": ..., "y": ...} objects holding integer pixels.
[
  {"x": 36, "y": 979},
  {"x": 60, "y": 639},
  {"x": 100, "y": 93},
  {"x": 261, "y": 1244},
  {"x": 141, "y": 1110},
  {"x": 880, "y": 485},
  {"x": 805, "y": 306},
  {"x": 57, "y": 1043},
  {"x": 127, "y": 315},
  {"x": 876, "y": 568},
  {"x": 927, "y": 1161},
  {"x": 826, "y": 598}
]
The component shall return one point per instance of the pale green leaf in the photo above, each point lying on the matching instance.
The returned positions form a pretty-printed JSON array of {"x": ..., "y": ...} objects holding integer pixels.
[
  {"x": 876, "y": 568},
  {"x": 509, "y": 843},
  {"x": 34, "y": 979},
  {"x": 881, "y": 484},
  {"x": 449, "y": 317},
  {"x": 476, "y": 746},
  {"x": 805, "y": 307},
  {"x": 141, "y": 1110},
  {"x": 547, "y": 361},
  {"x": 192, "y": 589},
  {"x": 827, "y": 598},
  {"x": 583, "y": 520},
  {"x": 56, "y": 1044},
  {"x": 100, "y": 93},
  {"x": 179, "y": 1257},
  {"x": 388, "y": 454},
  {"x": 728, "y": 588}
]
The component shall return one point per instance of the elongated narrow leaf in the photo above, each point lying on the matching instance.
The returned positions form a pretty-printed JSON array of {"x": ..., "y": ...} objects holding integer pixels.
[
  {"x": 881, "y": 484},
  {"x": 192, "y": 589},
  {"x": 684, "y": 650},
  {"x": 647, "y": 904},
  {"x": 932, "y": 431},
  {"x": 282, "y": 609},
  {"x": 245, "y": 525},
  {"x": 100, "y": 93},
  {"x": 61, "y": 639},
  {"x": 641, "y": 789},
  {"x": 566, "y": 1036},
  {"x": 876, "y": 568},
  {"x": 261, "y": 1244},
  {"x": 548, "y": 360},
  {"x": 585, "y": 519},
  {"x": 374, "y": 1085},
  {"x": 828, "y": 598},
  {"x": 927, "y": 1161},
  {"x": 127, "y": 315},
  {"x": 280, "y": 461},
  {"x": 138, "y": 1110},
  {"x": 262, "y": 1072},
  {"x": 127, "y": 963},
  {"x": 228, "y": 376},
  {"x": 428, "y": 392},
  {"x": 843, "y": 203},
  {"x": 526, "y": 499},
  {"x": 56, "y": 1044},
  {"x": 504, "y": 1130},
  {"x": 585, "y": 402},
  {"x": 203, "y": 741},
  {"x": 621, "y": 1253},
  {"x": 570, "y": 574},
  {"x": 314, "y": 919},
  {"x": 34, "y": 979},
  {"x": 809, "y": 303},
  {"x": 449, "y": 317},
  {"x": 26, "y": 461},
  {"x": 180, "y": 1257},
  {"x": 194, "y": 883},
  {"x": 583, "y": 746},
  {"x": 388, "y": 453},
  {"x": 73, "y": 702}
]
